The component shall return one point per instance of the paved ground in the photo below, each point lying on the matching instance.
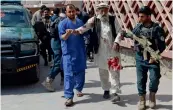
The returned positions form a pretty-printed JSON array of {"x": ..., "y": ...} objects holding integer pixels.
[{"x": 34, "y": 97}]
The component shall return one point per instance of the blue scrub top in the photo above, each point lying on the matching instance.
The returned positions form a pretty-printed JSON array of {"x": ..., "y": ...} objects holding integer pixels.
[{"x": 73, "y": 49}]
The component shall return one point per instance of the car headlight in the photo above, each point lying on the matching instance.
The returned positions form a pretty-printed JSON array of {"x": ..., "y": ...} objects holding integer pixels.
[{"x": 28, "y": 46}]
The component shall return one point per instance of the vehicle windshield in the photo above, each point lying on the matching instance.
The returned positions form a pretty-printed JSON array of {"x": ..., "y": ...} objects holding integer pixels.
[{"x": 13, "y": 18}]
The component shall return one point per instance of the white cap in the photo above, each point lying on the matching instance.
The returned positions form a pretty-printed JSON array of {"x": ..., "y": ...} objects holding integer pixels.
[{"x": 102, "y": 5}]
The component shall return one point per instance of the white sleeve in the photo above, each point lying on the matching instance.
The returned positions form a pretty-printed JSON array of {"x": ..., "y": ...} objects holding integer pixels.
[
  {"x": 118, "y": 38},
  {"x": 118, "y": 30},
  {"x": 86, "y": 26}
]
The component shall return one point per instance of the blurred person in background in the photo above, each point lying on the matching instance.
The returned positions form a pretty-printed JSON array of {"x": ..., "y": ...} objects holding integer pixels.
[
  {"x": 56, "y": 47},
  {"x": 37, "y": 16},
  {"x": 42, "y": 29},
  {"x": 47, "y": 46},
  {"x": 82, "y": 15},
  {"x": 91, "y": 39}
]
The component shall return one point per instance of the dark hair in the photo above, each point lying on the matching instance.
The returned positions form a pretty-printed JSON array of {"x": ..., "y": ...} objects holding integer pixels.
[
  {"x": 63, "y": 10},
  {"x": 46, "y": 9},
  {"x": 42, "y": 7},
  {"x": 77, "y": 9},
  {"x": 56, "y": 11},
  {"x": 90, "y": 11},
  {"x": 145, "y": 10},
  {"x": 70, "y": 6}
]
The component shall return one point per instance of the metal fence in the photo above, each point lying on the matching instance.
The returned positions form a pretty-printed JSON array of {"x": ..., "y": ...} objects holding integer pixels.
[{"x": 126, "y": 14}]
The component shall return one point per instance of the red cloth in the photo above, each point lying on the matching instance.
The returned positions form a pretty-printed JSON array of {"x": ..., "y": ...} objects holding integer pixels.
[{"x": 113, "y": 63}]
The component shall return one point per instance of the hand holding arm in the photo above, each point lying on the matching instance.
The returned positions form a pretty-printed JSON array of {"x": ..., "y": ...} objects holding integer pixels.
[
  {"x": 86, "y": 27},
  {"x": 67, "y": 34},
  {"x": 118, "y": 39}
]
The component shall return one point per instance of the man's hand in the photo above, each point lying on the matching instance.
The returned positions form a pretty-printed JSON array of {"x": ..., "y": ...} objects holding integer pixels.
[
  {"x": 69, "y": 31},
  {"x": 116, "y": 47},
  {"x": 76, "y": 32},
  {"x": 152, "y": 60},
  {"x": 122, "y": 35},
  {"x": 67, "y": 34},
  {"x": 123, "y": 32}
]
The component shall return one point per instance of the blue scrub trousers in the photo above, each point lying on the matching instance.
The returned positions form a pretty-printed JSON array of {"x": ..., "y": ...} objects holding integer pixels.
[{"x": 71, "y": 81}]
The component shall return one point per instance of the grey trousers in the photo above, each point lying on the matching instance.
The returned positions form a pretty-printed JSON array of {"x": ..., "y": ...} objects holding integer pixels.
[{"x": 110, "y": 80}]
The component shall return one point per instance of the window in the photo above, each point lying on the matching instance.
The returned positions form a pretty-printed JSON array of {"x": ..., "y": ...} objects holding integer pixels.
[{"x": 13, "y": 18}]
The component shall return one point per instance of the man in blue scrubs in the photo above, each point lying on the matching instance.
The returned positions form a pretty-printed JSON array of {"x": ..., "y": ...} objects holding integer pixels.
[{"x": 73, "y": 54}]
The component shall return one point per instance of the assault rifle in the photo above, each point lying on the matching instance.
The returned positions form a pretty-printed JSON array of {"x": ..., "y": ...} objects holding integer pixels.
[{"x": 142, "y": 40}]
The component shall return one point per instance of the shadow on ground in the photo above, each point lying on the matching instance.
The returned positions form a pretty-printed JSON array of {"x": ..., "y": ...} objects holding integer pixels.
[
  {"x": 38, "y": 88},
  {"x": 94, "y": 83},
  {"x": 126, "y": 100}
]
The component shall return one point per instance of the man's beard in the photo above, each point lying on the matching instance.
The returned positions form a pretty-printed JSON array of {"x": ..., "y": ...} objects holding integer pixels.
[
  {"x": 47, "y": 17},
  {"x": 103, "y": 17},
  {"x": 72, "y": 17}
]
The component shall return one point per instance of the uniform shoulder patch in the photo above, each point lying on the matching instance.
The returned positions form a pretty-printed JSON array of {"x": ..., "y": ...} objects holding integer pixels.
[{"x": 162, "y": 38}]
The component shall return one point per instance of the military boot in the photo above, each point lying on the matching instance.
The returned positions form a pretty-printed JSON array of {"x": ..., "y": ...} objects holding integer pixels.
[
  {"x": 48, "y": 84},
  {"x": 142, "y": 103},
  {"x": 152, "y": 100}
]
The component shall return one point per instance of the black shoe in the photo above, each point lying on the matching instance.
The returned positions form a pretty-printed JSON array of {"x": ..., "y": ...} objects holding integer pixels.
[
  {"x": 50, "y": 58},
  {"x": 90, "y": 60},
  {"x": 116, "y": 98},
  {"x": 46, "y": 63},
  {"x": 106, "y": 95}
]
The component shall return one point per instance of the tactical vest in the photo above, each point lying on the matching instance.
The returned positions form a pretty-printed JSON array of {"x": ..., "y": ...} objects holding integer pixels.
[
  {"x": 151, "y": 34},
  {"x": 97, "y": 32}
]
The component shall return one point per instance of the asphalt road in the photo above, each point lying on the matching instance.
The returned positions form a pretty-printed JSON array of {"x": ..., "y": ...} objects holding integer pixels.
[{"x": 34, "y": 96}]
